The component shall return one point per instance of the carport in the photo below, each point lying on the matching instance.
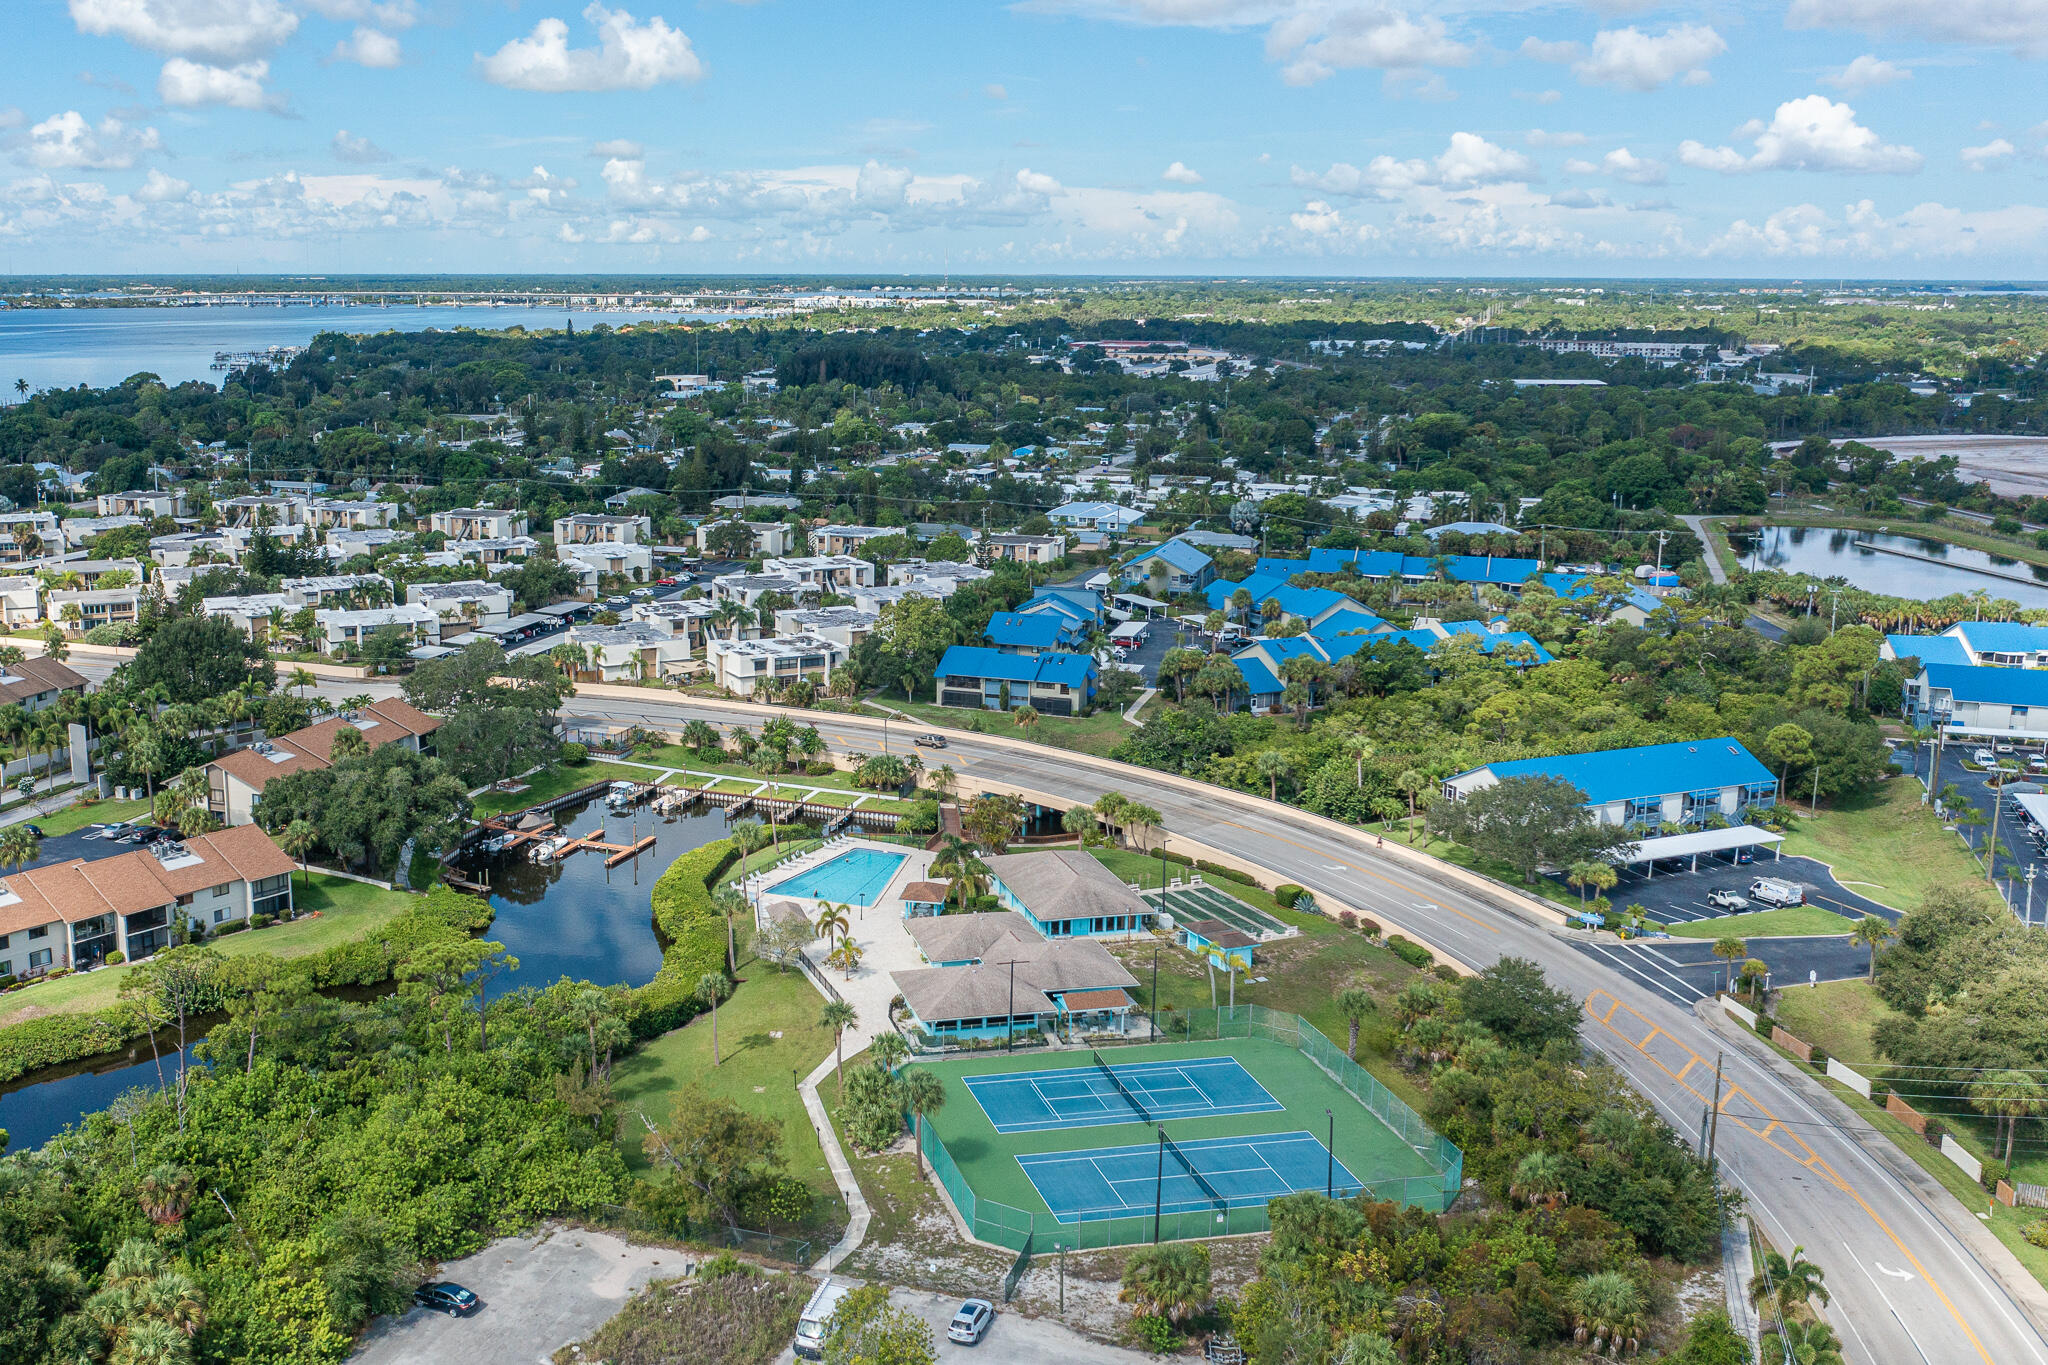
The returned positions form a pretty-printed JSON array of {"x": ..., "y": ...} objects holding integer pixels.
[{"x": 1692, "y": 845}]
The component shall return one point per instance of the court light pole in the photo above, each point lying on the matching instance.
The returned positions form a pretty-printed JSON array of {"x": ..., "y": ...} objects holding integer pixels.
[
  {"x": 1010, "y": 1020},
  {"x": 1158, "y": 1180},
  {"x": 1330, "y": 1151},
  {"x": 1152, "y": 1012}
]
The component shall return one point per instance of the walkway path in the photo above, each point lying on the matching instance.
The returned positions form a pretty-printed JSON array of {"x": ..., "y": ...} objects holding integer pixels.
[{"x": 1698, "y": 526}]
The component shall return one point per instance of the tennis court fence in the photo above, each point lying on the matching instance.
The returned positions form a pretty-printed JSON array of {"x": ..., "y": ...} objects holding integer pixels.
[{"x": 1015, "y": 1228}]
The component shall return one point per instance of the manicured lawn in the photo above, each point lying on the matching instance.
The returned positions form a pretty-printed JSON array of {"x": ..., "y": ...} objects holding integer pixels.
[
  {"x": 77, "y": 817},
  {"x": 347, "y": 910},
  {"x": 1096, "y": 734},
  {"x": 1792, "y": 920},
  {"x": 557, "y": 781},
  {"x": 1837, "y": 1016},
  {"x": 1885, "y": 845},
  {"x": 768, "y": 1037}
]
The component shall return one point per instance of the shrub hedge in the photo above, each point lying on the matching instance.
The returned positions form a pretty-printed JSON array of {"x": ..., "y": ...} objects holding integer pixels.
[
  {"x": 1286, "y": 894},
  {"x": 1414, "y": 954},
  {"x": 692, "y": 935},
  {"x": 56, "y": 1039}
]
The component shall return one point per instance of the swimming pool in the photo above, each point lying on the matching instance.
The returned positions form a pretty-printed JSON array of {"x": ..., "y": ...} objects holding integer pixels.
[{"x": 856, "y": 877}]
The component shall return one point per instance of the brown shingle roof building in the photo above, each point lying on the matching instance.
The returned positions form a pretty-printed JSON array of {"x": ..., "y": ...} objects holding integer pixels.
[{"x": 235, "y": 781}]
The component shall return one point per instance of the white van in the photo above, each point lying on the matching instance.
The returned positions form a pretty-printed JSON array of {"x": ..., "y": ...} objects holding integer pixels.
[
  {"x": 1771, "y": 891},
  {"x": 810, "y": 1328}
]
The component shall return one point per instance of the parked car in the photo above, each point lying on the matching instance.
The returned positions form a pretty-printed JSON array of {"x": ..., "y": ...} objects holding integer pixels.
[
  {"x": 2038, "y": 764},
  {"x": 1731, "y": 901},
  {"x": 664, "y": 582},
  {"x": 2004, "y": 748},
  {"x": 810, "y": 1328},
  {"x": 621, "y": 603},
  {"x": 971, "y": 1323},
  {"x": 1772, "y": 892},
  {"x": 445, "y": 1296},
  {"x": 37, "y": 830},
  {"x": 930, "y": 741},
  {"x": 1983, "y": 758},
  {"x": 641, "y": 594}
]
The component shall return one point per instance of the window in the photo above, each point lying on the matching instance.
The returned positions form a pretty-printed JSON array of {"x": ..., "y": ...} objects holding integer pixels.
[
  {"x": 40, "y": 931},
  {"x": 39, "y": 958},
  {"x": 220, "y": 915},
  {"x": 223, "y": 888}
]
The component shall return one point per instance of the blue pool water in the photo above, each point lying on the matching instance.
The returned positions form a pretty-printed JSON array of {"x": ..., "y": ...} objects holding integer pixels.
[{"x": 856, "y": 877}]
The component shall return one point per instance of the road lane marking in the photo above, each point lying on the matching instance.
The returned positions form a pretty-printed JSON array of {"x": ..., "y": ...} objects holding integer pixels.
[
  {"x": 1360, "y": 867},
  {"x": 1812, "y": 1161}
]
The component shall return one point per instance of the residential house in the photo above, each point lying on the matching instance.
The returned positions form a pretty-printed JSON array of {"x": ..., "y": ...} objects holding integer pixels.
[
  {"x": 462, "y": 604},
  {"x": 479, "y": 523},
  {"x": 1176, "y": 567},
  {"x": 235, "y": 781},
  {"x": 584, "y": 528},
  {"x": 75, "y": 912},
  {"x": 836, "y": 574},
  {"x": 347, "y": 544},
  {"x": 625, "y": 496},
  {"x": 1107, "y": 517},
  {"x": 1980, "y": 644},
  {"x": 341, "y": 631},
  {"x": 770, "y": 537},
  {"x": 629, "y": 653},
  {"x": 1022, "y": 549},
  {"x": 33, "y": 684},
  {"x": 608, "y": 558},
  {"x": 1014, "y": 632},
  {"x": 79, "y": 612},
  {"x": 258, "y": 509},
  {"x": 144, "y": 503},
  {"x": 1082, "y": 605},
  {"x": 21, "y": 601},
  {"x": 1989, "y": 701},
  {"x": 1051, "y": 683},
  {"x": 742, "y": 503},
  {"x": 1686, "y": 783},
  {"x": 29, "y": 535},
  {"x": 744, "y": 666}
]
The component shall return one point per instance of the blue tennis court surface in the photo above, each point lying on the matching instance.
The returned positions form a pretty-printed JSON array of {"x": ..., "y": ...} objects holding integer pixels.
[
  {"x": 1112, "y": 1182},
  {"x": 1083, "y": 1097}
]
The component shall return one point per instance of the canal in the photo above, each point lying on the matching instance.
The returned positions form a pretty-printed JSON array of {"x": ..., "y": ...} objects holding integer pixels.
[
  {"x": 1829, "y": 552},
  {"x": 572, "y": 918}
]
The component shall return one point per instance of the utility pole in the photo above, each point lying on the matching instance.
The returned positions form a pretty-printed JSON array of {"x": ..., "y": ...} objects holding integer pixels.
[
  {"x": 1010, "y": 1023},
  {"x": 1714, "y": 1119},
  {"x": 1991, "y": 849},
  {"x": 1662, "y": 536},
  {"x": 1834, "y": 608}
]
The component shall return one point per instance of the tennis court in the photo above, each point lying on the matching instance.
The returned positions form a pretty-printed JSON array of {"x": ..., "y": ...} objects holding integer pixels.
[
  {"x": 1183, "y": 1177},
  {"x": 1186, "y": 903},
  {"x": 1144, "y": 1092}
]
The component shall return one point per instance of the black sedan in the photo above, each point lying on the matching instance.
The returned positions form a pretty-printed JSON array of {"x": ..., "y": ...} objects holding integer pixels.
[{"x": 445, "y": 1296}]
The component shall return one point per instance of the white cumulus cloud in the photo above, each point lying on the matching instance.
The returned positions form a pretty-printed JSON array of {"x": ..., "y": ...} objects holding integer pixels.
[
  {"x": 629, "y": 56},
  {"x": 1977, "y": 158},
  {"x": 1622, "y": 164},
  {"x": 1630, "y": 59},
  {"x": 1866, "y": 73},
  {"x": 1316, "y": 43},
  {"x": 71, "y": 142},
  {"x": 187, "y": 85},
  {"x": 211, "y": 30},
  {"x": 369, "y": 47},
  {"x": 1179, "y": 174},
  {"x": 158, "y": 188},
  {"x": 1468, "y": 160},
  {"x": 1809, "y": 134}
]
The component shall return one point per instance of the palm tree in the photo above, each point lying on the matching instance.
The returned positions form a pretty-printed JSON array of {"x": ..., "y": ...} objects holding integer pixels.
[
  {"x": 832, "y": 920},
  {"x": 1539, "y": 1180},
  {"x": 1361, "y": 750},
  {"x": 2008, "y": 1096},
  {"x": 18, "y": 846},
  {"x": 1730, "y": 949},
  {"x": 1273, "y": 765},
  {"x": 729, "y": 901},
  {"x": 710, "y": 990},
  {"x": 1788, "y": 1282},
  {"x": 839, "y": 1017},
  {"x": 1609, "y": 1308},
  {"x": 1355, "y": 1003},
  {"x": 1803, "y": 1343},
  {"x": 888, "y": 1050},
  {"x": 923, "y": 1093},
  {"x": 1026, "y": 717},
  {"x": 297, "y": 840},
  {"x": 1875, "y": 933},
  {"x": 1168, "y": 1281},
  {"x": 300, "y": 680}
]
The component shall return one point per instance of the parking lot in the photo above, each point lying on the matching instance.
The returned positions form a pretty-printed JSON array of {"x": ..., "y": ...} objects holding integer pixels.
[
  {"x": 1012, "y": 1339},
  {"x": 1683, "y": 970},
  {"x": 1680, "y": 897}
]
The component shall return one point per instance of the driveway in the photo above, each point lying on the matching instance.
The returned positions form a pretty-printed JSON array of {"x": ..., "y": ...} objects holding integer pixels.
[
  {"x": 1013, "y": 1339},
  {"x": 1683, "y": 970},
  {"x": 539, "y": 1294}
]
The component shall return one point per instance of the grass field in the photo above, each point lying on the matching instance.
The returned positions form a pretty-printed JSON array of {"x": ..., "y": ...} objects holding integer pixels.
[
  {"x": 1837, "y": 1017},
  {"x": 347, "y": 910},
  {"x": 1096, "y": 734},
  {"x": 768, "y": 1037},
  {"x": 76, "y": 817},
  {"x": 988, "y": 1159},
  {"x": 1791, "y": 921},
  {"x": 1884, "y": 845},
  {"x": 557, "y": 781}
]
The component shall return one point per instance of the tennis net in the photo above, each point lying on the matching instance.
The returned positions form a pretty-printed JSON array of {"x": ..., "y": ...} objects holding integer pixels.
[
  {"x": 1121, "y": 1088},
  {"x": 1222, "y": 1204}
]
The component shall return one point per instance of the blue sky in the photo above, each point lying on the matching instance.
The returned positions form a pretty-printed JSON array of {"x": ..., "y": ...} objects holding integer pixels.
[{"x": 1813, "y": 138}]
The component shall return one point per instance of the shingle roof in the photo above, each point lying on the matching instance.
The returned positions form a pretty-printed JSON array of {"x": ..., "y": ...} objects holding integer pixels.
[
  {"x": 940, "y": 994},
  {"x": 137, "y": 880},
  {"x": 38, "y": 675},
  {"x": 1064, "y": 884},
  {"x": 962, "y": 938},
  {"x": 379, "y": 722}
]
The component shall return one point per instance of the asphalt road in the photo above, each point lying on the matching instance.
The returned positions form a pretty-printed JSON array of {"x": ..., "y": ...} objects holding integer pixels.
[
  {"x": 1912, "y": 1273},
  {"x": 1910, "y": 1279}
]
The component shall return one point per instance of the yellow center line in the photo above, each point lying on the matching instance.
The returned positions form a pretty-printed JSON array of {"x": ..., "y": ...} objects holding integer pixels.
[{"x": 1810, "y": 1161}]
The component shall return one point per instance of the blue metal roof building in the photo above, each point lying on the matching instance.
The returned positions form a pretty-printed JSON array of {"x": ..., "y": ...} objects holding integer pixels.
[
  {"x": 1654, "y": 784},
  {"x": 1052, "y": 683},
  {"x": 1186, "y": 569},
  {"x": 1015, "y": 632}
]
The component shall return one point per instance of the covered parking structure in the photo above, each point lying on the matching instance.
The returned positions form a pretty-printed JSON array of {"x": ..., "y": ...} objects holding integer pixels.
[{"x": 1650, "y": 852}]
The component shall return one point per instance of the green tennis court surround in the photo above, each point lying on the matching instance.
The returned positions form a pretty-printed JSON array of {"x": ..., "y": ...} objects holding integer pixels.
[{"x": 1103, "y": 1167}]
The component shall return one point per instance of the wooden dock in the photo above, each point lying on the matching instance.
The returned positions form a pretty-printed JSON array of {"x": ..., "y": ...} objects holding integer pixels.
[{"x": 627, "y": 854}]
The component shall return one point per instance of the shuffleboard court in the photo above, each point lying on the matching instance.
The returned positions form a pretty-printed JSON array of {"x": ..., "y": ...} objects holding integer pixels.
[
  {"x": 1083, "y": 1097},
  {"x": 1114, "y": 1182},
  {"x": 1206, "y": 902}
]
